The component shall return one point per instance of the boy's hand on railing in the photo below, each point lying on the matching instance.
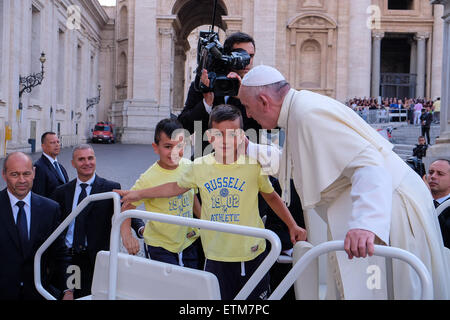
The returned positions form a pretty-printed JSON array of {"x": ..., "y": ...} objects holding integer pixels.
[
  {"x": 129, "y": 241},
  {"x": 128, "y": 196},
  {"x": 297, "y": 234}
]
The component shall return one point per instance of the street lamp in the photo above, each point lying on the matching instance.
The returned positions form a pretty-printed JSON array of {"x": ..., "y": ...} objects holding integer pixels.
[
  {"x": 93, "y": 101},
  {"x": 27, "y": 83}
]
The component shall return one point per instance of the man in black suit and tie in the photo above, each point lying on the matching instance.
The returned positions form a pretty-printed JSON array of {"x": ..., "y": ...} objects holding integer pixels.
[
  {"x": 26, "y": 221},
  {"x": 49, "y": 172},
  {"x": 90, "y": 232},
  {"x": 438, "y": 180}
]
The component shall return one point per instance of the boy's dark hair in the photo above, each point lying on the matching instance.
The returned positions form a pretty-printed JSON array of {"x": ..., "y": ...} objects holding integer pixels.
[
  {"x": 225, "y": 112},
  {"x": 168, "y": 126},
  {"x": 237, "y": 37},
  {"x": 45, "y": 135}
]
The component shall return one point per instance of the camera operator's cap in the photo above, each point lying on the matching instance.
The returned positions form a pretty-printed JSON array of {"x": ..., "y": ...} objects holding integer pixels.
[{"x": 262, "y": 75}]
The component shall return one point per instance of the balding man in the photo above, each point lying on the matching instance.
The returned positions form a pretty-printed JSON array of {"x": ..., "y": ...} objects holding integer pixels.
[
  {"x": 26, "y": 221},
  {"x": 348, "y": 172},
  {"x": 438, "y": 179}
]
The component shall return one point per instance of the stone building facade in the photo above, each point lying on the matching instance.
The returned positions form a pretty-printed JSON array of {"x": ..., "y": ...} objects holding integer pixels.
[
  {"x": 69, "y": 32},
  {"x": 142, "y": 54}
]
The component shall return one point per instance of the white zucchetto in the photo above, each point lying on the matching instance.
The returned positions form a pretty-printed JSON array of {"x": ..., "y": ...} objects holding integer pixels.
[{"x": 262, "y": 75}]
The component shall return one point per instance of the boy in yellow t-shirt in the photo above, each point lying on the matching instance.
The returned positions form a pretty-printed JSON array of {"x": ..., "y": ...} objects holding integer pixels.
[
  {"x": 229, "y": 184},
  {"x": 165, "y": 242}
]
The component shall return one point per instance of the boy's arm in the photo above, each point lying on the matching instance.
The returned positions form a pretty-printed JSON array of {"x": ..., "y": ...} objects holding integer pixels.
[
  {"x": 166, "y": 190},
  {"x": 129, "y": 242},
  {"x": 278, "y": 206},
  {"x": 197, "y": 207}
]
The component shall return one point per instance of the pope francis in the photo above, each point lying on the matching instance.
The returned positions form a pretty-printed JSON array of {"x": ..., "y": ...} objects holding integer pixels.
[{"x": 349, "y": 174}]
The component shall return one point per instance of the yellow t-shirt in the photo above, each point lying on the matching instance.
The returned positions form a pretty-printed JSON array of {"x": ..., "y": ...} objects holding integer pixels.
[
  {"x": 229, "y": 194},
  {"x": 437, "y": 106},
  {"x": 171, "y": 237}
]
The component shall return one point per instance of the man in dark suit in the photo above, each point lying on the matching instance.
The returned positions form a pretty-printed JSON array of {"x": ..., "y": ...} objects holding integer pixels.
[
  {"x": 49, "y": 172},
  {"x": 26, "y": 221},
  {"x": 438, "y": 180},
  {"x": 90, "y": 232}
]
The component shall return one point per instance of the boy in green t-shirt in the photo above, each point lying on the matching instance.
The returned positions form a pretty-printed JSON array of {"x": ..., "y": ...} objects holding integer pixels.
[
  {"x": 165, "y": 242},
  {"x": 229, "y": 184}
]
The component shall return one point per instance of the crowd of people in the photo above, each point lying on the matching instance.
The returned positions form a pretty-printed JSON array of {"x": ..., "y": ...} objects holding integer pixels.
[
  {"x": 360, "y": 188},
  {"x": 412, "y": 106}
]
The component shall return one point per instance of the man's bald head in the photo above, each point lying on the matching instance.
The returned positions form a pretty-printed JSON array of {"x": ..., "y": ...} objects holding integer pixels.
[
  {"x": 18, "y": 172},
  {"x": 16, "y": 155}
]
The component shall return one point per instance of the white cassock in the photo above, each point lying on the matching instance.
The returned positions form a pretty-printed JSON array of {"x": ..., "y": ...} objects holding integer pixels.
[{"x": 348, "y": 172}]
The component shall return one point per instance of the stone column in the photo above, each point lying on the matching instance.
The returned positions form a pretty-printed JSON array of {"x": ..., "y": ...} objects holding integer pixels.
[
  {"x": 166, "y": 55},
  {"x": 358, "y": 51},
  {"x": 413, "y": 59},
  {"x": 442, "y": 147},
  {"x": 421, "y": 63},
  {"x": 141, "y": 112},
  {"x": 376, "y": 62},
  {"x": 436, "y": 59}
]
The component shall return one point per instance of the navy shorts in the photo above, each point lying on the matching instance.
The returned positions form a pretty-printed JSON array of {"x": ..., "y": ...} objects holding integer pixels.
[
  {"x": 189, "y": 257},
  {"x": 232, "y": 277}
]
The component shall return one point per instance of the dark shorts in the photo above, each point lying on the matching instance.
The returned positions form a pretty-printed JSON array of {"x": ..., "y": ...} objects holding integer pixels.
[
  {"x": 189, "y": 257},
  {"x": 231, "y": 277}
]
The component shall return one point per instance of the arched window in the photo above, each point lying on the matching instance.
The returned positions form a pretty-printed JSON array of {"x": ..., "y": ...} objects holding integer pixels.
[
  {"x": 123, "y": 70},
  {"x": 123, "y": 23},
  {"x": 310, "y": 65}
]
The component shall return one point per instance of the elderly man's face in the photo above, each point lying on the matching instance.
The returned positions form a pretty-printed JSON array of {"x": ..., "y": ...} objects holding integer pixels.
[{"x": 257, "y": 108}]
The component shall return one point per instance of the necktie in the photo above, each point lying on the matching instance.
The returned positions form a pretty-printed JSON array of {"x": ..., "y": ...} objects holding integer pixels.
[
  {"x": 79, "y": 237},
  {"x": 22, "y": 226},
  {"x": 436, "y": 204},
  {"x": 58, "y": 169}
]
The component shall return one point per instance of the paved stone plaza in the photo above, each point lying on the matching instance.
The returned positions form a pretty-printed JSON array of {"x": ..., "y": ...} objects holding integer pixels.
[{"x": 117, "y": 162}]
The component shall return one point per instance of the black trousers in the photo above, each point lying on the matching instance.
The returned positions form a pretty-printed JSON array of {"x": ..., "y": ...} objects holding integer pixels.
[{"x": 426, "y": 133}]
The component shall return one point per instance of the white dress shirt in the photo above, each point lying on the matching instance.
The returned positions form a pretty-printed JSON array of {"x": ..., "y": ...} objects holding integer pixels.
[{"x": 70, "y": 231}]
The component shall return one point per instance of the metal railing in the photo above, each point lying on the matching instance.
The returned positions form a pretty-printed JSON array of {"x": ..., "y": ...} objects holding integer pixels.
[
  {"x": 383, "y": 251},
  {"x": 119, "y": 217},
  {"x": 382, "y": 116},
  {"x": 252, "y": 282},
  {"x": 60, "y": 229}
]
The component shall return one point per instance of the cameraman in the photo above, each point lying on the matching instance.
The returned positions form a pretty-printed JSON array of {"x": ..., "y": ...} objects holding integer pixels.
[
  {"x": 198, "y": 105},
  {"x": 420, "y": 151}
]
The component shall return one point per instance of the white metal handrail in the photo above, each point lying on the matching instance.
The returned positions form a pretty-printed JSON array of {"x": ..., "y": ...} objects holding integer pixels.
[
  {"x": 338, "y": 245},
  {"x": 196, "y": 223},
  {"x": 61, "y": 228}
]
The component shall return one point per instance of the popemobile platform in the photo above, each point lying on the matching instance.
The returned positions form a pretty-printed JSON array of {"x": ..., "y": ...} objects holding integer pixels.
[{"x": 120, "y": 276}]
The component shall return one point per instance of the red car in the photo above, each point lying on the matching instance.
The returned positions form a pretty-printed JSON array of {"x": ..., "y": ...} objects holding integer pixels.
[{"x": 103, "y": 132}]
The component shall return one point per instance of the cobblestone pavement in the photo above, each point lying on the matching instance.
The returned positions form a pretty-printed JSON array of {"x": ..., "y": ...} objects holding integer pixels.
[{"x": 117, "y": 162}]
